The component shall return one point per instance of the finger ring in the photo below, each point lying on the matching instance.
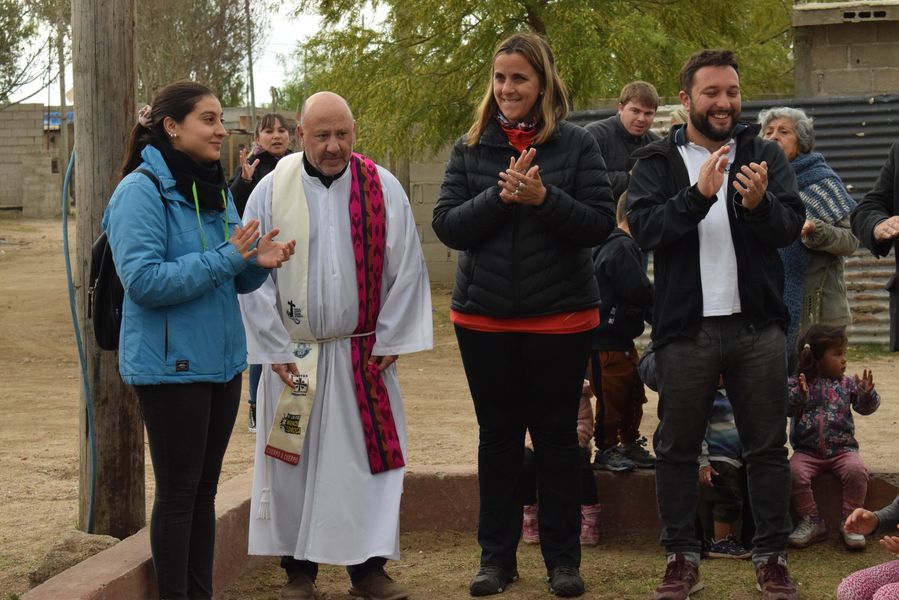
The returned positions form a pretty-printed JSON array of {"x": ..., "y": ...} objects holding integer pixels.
[
  {"x": 520, "y": 186},
  {"x": 515, "y": 192}
]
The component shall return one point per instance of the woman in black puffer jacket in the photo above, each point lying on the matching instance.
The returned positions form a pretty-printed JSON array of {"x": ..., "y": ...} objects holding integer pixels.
[
  {"x": 272, "y": 143},
  {"x": 525, "y": 300}
]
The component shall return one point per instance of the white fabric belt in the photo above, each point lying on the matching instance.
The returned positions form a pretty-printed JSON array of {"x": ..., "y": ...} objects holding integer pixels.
[{"x": 336, "y": 337}]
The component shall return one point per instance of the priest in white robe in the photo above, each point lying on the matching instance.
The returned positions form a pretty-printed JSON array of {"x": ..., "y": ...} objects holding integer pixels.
[{"x": 336, "y": 505}]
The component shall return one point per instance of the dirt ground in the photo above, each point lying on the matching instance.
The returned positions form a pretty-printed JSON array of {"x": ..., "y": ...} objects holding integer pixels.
[
  {"x": 438, "y": 566},
  {"x": 40, "y": 397}
]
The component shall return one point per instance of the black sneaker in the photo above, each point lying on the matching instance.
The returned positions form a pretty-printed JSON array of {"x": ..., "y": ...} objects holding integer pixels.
[
  {"x": 491, "y": 580},
  {"x": 728, "y": 548},
  {"x": 612, "y": 459},
  {"x": 251, "y": 421},
  {"x": 566, "y": 582}
]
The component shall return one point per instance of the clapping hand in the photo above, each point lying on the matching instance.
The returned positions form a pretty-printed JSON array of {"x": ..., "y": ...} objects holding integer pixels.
[
  {"x": 247, "y": 169},
  {"x": 242, "y": 238},
  {"x": 752, "y": 183},
  {"x": 521, "y": 182},
  {"x": 866, "y": 382},
  {"x": 711, "y": 173},
  {"x": 271, "y": 254}
]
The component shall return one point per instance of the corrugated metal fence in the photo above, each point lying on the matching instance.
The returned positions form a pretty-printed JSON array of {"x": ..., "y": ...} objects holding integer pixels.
[{"x": 854, "y": 134}]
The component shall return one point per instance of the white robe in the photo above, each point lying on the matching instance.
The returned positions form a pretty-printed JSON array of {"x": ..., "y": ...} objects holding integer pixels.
[{"x": 330, "y": 508}]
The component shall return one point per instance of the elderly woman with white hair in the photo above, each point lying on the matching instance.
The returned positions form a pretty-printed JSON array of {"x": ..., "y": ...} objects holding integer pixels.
[{"x": 814, "y": 286}]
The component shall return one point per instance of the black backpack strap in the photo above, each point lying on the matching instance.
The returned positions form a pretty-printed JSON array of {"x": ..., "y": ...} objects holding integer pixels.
[{"x": 149, "y": 176}]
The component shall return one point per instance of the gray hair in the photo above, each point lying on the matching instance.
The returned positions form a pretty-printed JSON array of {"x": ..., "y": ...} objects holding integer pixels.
[{"x": 805, "y": 131}]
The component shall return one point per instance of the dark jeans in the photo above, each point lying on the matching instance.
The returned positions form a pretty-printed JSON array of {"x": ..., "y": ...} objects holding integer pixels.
[
  {"x": 295, "y": 567},
  {"x": 528, "y": 381},
  {"x": 753, "y": 365},
  {"x": 529, "y": 477},
  {"x": 188, "y": 428},
  {"x": 255, "y": 375}
]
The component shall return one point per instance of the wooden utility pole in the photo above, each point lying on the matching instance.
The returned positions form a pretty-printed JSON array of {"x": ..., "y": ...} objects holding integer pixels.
[{"x": 105, "y": 112}]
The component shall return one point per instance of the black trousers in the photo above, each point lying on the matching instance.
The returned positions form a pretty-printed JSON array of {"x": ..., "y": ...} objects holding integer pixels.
[
  {"x": 188, "y": 428},
  {"x": 357, "y": 573},
  {"x": 529, "y": 478},
  {"x": 528, "y": 381}
]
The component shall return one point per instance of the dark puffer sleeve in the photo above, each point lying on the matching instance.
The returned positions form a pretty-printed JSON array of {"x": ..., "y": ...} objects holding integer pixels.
[
  {"x": 585, "y": 217},
  {"x": 462, "y": 218}
]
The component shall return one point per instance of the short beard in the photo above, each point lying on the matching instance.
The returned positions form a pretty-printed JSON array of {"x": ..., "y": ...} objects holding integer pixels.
[{"x": 703, "y": 126}]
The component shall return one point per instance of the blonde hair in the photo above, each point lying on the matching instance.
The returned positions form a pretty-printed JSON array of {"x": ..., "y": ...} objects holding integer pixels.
[{"x": 552, "y": 104}]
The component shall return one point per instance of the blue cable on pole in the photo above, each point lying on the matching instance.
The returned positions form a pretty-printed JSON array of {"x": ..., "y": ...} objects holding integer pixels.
[{"x": 91, "y": 433}]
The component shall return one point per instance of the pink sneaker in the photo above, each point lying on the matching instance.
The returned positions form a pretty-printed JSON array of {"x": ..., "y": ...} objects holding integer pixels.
[
  {"x": 530, "y": 533},
  {"x": 590, "y": 524}
]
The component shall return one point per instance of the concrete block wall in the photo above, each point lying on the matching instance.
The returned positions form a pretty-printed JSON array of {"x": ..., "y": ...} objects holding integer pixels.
[
  {"x": 22, "y": 166},
  {"x": 41, "y": 188},
  {"x": 424, "y": 184},
  {"x": 846, "y": 48}
]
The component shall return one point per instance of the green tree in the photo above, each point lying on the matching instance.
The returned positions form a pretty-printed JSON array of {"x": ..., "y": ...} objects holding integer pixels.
[
  {"x": 23, "y": 59},
  {"x": 414, "y": 78},
  {"x": 202, "y": 40}
]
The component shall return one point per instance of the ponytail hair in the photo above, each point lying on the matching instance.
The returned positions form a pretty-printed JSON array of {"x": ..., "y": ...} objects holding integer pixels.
[
  {"x": 813, "y": 343},
  {"x": 176, "y": 100}
]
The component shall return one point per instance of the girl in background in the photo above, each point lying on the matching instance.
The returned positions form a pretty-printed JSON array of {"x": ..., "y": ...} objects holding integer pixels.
[{"x": 822, "y": 431}]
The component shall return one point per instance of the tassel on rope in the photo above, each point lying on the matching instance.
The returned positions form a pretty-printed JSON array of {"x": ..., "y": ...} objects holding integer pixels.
[{"x": 264, "y": 512}]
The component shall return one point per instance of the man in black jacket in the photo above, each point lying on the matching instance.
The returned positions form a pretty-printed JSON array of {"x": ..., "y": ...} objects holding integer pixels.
[
  {"x": 875, "y": 222},
  {"x": 623, "y": 133},
  {"x": 714, "y": 202}
]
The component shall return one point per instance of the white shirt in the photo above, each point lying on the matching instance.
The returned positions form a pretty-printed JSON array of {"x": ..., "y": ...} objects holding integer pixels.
[{"x": 717, "y": 259}]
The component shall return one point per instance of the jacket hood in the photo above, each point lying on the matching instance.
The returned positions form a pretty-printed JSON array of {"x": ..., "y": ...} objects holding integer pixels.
[{"x": 154, "y": 162}]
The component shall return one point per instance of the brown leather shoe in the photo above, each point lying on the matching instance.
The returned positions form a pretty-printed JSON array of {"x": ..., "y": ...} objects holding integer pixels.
[
  {"x": 681, "y": 579},
  {"x": 378, "y": 586},
  {"x": 301, "y": 588}
]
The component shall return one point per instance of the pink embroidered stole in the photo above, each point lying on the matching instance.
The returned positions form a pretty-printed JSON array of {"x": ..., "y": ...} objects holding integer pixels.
[{"x": 368, "y": 224}]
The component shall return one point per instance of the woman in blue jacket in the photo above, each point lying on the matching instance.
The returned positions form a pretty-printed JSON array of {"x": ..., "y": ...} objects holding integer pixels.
[{"x": 182, "y": 259}]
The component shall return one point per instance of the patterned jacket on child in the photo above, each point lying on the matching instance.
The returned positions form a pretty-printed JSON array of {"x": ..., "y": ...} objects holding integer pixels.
[{"x": 823, "y": 427}]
